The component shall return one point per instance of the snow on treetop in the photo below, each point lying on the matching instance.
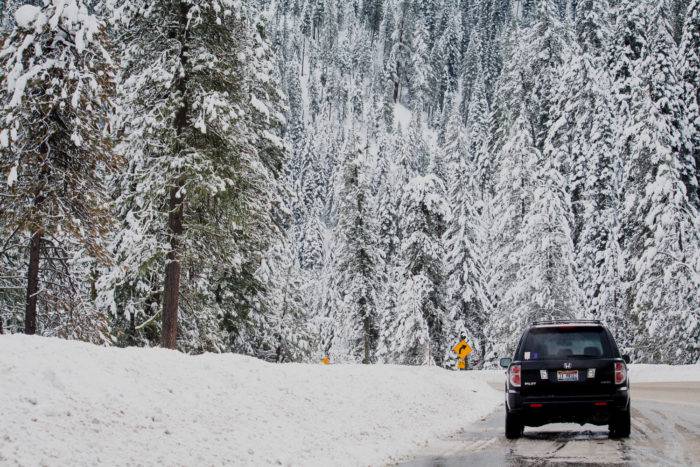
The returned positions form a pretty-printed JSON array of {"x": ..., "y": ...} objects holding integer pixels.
[
  {"x": 56, "y": 17},
  {"x": 26, "y": 15},
  {"x": 68, "y": 12}
]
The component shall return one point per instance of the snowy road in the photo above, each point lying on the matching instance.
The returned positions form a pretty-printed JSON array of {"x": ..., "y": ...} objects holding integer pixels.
[{"x": 665, "y": 431}]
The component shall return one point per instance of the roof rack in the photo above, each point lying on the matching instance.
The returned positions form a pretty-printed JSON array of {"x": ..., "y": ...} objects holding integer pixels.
[{"x": 567, "y": 321}]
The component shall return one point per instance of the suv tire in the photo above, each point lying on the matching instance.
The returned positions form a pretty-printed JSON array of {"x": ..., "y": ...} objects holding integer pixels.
[
  {"x": 620, "y": 424},
  {"x": 514, "y": 426}
]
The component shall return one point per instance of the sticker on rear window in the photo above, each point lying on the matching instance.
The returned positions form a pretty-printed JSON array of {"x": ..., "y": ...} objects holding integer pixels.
[{"x": 527, "y": 355}]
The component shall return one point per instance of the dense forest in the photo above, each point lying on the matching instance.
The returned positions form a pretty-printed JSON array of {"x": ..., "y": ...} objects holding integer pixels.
[{"x": 365, "y": 179}]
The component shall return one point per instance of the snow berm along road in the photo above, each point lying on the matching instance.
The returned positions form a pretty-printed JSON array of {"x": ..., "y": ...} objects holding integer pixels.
[{"x": 72, "y": 403}]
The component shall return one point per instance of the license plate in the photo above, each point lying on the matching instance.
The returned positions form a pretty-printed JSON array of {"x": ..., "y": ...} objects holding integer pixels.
[{"x": 567, "y": 375}]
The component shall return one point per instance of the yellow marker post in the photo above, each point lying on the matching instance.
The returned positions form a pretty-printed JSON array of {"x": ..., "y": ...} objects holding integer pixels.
[
  {"x": 326, "y": 361},
  {"x": 461, "y": 364}
]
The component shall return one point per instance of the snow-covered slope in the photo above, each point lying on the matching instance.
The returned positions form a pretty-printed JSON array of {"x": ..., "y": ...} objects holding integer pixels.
[{"x": 64, "y": 402}]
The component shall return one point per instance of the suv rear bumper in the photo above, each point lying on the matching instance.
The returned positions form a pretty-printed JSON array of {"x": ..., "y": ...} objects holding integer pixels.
[{"x": 594, "y": 409}]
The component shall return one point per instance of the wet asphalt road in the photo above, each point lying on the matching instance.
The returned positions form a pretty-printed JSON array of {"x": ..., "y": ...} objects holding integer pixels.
[{"x": 665, "y": 431}]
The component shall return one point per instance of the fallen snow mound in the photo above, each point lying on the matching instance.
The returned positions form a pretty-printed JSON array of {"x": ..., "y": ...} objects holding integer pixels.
[{"x": 70, "y": 403}]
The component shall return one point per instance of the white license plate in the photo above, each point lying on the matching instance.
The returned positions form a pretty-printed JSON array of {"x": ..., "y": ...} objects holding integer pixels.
[{"x": 567, "y": 375}]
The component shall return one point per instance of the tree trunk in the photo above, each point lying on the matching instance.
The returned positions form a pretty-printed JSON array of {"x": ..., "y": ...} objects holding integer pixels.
[
  {"x": 367, "y": 358},
  {"x": 32, "y": 282},
  {"x": 171, "y": 288}
]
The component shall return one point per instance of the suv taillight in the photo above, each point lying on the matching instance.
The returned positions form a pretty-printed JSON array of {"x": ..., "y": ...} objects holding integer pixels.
[
  {"x": 515, "y": 375},
  {"x": 620, "y": 372}
]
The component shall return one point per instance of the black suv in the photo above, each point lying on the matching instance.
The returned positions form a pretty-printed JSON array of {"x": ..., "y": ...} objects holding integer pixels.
[{"x": 567, "y": 371}]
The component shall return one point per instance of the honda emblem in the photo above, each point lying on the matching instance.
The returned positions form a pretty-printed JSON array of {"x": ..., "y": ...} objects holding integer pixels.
[{"x": 567, "y": 365}]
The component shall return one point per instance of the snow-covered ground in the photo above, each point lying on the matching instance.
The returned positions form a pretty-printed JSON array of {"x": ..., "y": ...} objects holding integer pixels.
[
  {"x": 65, "y": 402},
  {"x": 72, "y": 403}
]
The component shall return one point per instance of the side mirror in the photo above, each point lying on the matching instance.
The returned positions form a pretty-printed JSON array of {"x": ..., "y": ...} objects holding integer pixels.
[
  {"x": 505, "y": 362},
  {"x": 626, "y": 358}
]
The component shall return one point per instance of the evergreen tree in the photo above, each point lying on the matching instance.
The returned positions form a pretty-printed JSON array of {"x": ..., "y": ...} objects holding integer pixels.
[
  {"x": 664, "y": 249},
  {"x": 477, "y": 143},
  {"x": 508, "y": 210},
  {"x": 472, "y": 68},
  {"x": 281, "y": 331},
  {"x": 201, "y": 124},
  {"x": 55, "y": 150},
  {"x": 582, "y": 139},
  {"x": 447, "y": 57},
  {"x": 468, "y": 302},
  {"x": 419, "y": 316},
  {"x": 358, "y": 261},
  {"x": 690, "y": 66},
  {"x": 422, "y": 73},
  {"x": 531, "y": 264}
]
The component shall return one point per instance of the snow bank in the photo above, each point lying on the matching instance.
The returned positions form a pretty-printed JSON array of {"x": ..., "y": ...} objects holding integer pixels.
[
  {"x": 640, "y": 373},
  {"x": 72, "y": 403}
]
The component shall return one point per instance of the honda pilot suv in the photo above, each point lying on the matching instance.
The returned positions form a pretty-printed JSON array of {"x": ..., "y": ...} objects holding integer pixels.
[{"x": 567, "y": 371}]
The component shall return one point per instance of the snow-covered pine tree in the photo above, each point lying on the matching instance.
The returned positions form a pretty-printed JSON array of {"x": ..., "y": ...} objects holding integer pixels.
[
  {"x": 583, "y": 140},
  {"x": 55, "y": 148},
  {"x": 545, "y": 283},
  {"x": 200, "y": 120},
  {"x": 472, "y": 68},
  {"x": 549, "y": 41},
  {"x": 358, "y": 263},
  {"x": 447, "y": 55},
  {"x": 388, "y": 200},
  {"x": 281, "y": 327},
  {"x": 468, "y": 303},
  {"x": 530, "y": 212},
  {"x": 534, "y": 275},
  {"x": 414, "y": 334},
  {"x": 372, "y": 12},
  {"x": 398, "y": 56},
  {"x": 478, "y": 138},
  {"x": 629, "y": 38},
  {"x": 514, "y": 162},
  {"x": 546, "y": 286},
  {"x": 429, "y": 10},
  {"x": 421, "y": 70},
  {"x": 508, "y": 211},
  {"x": 414, "y": 153},
  {"x": 690, "y": 70},
  {"x": 664, "y": 248}
]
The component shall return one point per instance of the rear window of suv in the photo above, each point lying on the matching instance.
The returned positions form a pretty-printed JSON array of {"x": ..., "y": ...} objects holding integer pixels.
[{"x": 551, "y": 343}]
